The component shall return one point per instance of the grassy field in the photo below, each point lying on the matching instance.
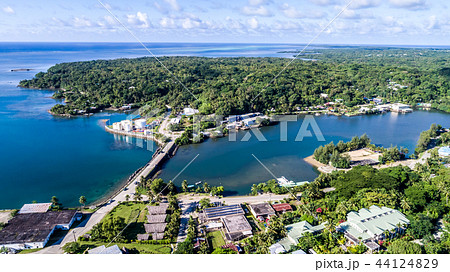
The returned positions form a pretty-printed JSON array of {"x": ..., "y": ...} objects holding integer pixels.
[
  {"x": 215, "y": 238},
  {"x": 129, "y": 211},
  {"x": 135, "y": 214},
  {"x": 133, "y": 247}
]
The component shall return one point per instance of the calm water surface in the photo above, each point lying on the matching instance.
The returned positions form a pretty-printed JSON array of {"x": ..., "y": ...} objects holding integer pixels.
[{"x": 42, "y": 155}]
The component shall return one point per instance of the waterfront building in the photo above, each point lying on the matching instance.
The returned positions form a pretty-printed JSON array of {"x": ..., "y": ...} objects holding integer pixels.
[
  {"x": 117, "y": 126},
  {"x": 35, "y": 208},
  {"x": 399, "y": 107},
  {"x": 369, "y": 225},
  {"x": 126, "y": 125},
  {"x": 33, "y": 229},
  {"x": 140, "y": 123}
]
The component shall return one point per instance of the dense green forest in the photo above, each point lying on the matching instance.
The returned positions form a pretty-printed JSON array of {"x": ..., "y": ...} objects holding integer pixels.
[{"x": 228, "y": 85}]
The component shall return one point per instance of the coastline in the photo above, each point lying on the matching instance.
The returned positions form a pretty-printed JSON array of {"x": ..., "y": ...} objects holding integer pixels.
[{"x": 311, "y": 161}]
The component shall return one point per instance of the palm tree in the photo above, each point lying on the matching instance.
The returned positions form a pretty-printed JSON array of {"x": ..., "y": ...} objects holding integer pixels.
[
  {"x": 127, "y": 198},
  {"x": 82, "y": 200},
  {"x": 342, "y": 207},
  {"x": 444, "y": 189},
  {"x": 404, "y": 204},
  {"x": 184, "y": 186},
  {"x": 137, "y": 197}
]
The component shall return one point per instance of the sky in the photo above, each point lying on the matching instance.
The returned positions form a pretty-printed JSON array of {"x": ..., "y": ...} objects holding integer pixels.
[{"x": 396, "y": 22}]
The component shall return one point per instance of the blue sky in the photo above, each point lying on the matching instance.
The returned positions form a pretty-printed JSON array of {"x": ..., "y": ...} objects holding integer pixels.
[{"x": 416, "y": 22}]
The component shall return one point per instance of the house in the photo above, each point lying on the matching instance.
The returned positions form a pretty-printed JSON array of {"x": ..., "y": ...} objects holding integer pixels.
[
  {"x": 161, "y": 209},
  {"x": 198, "y": 242},
  {"x": 156, "y": 218},
  {"x": 33, "y": 230},
  {"x": 399, "y": 107},
  {"x": 156, "y": 230},
  {"x": 444, "y": 151},
  {"x": 143, "y": 237},
  {"x": 262, "y": 211},
  {"x": 293, "y": 233},
  {"x": 369, "y": 225},
  {"x": 324, "y": 95},
  {"x": 236, "y": 227},
  {"x": 377, "y": 100},
  {"x": 298, "y": 252},
  {"x": 190, "y": 111},
  {"x": 250, "y": 122},
  {"x": 106, "y": 250},
  {"x": 282, "y": 207},
  {"x": 276, "y": 249}
]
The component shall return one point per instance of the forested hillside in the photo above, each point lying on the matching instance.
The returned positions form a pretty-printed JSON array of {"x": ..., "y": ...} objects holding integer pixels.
[{"x": 228, "y": 85}]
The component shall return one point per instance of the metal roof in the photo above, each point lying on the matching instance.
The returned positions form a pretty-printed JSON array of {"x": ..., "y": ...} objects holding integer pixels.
[{"x": 35, "y": 208}]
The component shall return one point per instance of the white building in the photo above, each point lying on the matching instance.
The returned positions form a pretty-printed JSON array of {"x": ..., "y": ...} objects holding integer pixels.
[
  {"x": 117, "y": 126},
  {"x": 126, "y": 125},
  {"x": 190, "y": 111},
  {"x": 140, "y": 123},
  {"x": 399, "y": 107}
]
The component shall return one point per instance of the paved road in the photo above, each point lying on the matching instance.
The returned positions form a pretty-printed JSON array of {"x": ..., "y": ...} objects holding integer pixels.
[{"x": 187, "y": 207}]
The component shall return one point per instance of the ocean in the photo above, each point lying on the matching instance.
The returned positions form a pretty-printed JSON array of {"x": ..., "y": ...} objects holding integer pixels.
[{"x": 44, "y": 156}]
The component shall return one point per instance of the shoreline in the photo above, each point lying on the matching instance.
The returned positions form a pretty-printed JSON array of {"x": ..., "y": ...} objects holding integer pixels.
[{"x": 135, "y": 135}]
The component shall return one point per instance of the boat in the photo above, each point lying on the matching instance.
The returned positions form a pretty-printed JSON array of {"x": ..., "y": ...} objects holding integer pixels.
[
  {"x": 198, "y": 182},
  {"x": 284, "y": 182}
]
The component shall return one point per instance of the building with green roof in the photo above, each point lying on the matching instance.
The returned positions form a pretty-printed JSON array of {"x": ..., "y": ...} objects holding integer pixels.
[
  {"x": 369, "y": 225},
  {"x": 293, "y": 233}
]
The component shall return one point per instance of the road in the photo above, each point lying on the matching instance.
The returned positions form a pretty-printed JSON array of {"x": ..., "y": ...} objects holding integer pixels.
[{"x": 187, "y": 207}]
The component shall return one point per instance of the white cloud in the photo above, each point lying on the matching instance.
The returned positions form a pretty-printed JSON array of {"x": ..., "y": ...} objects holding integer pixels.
[
  {"x": 167, "y": 22},
  {"x": 258, "y": 11},
  {"x": 363, "y": 4},
  {"x": 8, "y": 10},
  {"x": 409, "y": 4},
  {"x": 253, "y": 23},
  {"x": 173, "y": 4},
  {"x": 189, "y": 23},
  {"x": 257, "y": 2},
  {"x": 139, "y": 20},
  {"x": 293, "y": 12},
  {"x": 107, "y": 22},
  {"x": 286, "y": 25},
  {"x": 81, "y": 22},
  {"x": 290, "y": 11},
  {"x": 323, "y": 2},
  {"x": 350, "y": 14}
]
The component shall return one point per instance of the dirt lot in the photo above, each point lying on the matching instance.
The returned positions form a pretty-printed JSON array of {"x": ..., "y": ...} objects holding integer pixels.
[
  {"x": 5, "y": 216},
  {"x": 363, "y": 154}
]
